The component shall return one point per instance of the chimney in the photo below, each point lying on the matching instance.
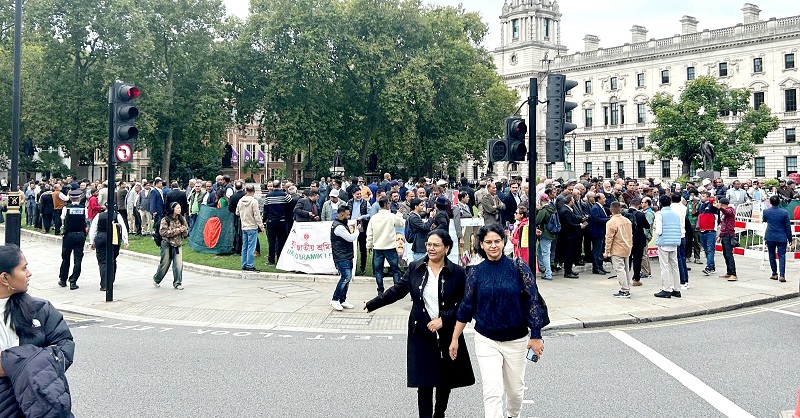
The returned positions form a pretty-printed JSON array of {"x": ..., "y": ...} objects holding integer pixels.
[
  {"x": 751, "y": 12},
  {"x": 688, "y": 25},
  {"x": 591, "y": 43},
  {"x": 639, "y": 34}
]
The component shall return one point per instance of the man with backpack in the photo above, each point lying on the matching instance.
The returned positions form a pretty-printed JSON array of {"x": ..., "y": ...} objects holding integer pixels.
[{"x": 545, "y": 222}]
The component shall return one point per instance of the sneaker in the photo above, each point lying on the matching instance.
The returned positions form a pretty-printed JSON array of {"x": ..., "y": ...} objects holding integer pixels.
[
  {"x": 178, "y": 287},
  {"x": 685, "y": 286},
  {"x": 347, "y": 305},
  {"x": 732, "y": 278},
  {"x": 644, "y": 276},
  {"x": 708, "y": 272},
  {"x": 622, "y": 294},
  {"x": 156, "y": 284},
  {"x": 336, "y": 305},
  {"x": 62, "y": 283},
  {"x": 73, "y": 286},
  {"x": 102, "y": 289},
  {"x": 675, "y": 294},
  {"x": 663, "y": 294}
]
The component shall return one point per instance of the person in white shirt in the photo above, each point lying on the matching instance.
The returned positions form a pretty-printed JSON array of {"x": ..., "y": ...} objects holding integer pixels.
[{"x": 382, "y": 240}]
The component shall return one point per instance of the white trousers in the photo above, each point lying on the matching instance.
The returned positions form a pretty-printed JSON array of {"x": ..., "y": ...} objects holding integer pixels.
[
  {"x": 622, "y": 268},
  {"x": 670, "y": 278},
  {"x": 502, "y": 365}
]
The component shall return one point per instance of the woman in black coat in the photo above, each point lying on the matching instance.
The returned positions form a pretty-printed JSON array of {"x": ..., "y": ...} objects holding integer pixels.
[
  {"x": 428, "y": 363},
  {"x": 36, "y": 346},
  {"x": 440, "y": 219}
]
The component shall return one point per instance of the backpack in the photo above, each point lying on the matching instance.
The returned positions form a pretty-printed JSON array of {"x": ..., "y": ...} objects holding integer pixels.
[
  {"x": 554, "y": 224},
  {"x": 409, "y": 233}
]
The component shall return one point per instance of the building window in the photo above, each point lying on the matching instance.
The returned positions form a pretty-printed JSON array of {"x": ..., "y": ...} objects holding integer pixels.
[
  {"x": 619, "y": 144},
  {"x": 723, "y": 69},
  {"x": 791, "y": 165},
  {"x": 758, "y": 65},
  {"x": 587, "y": 145},
  {"x": 758, "y": 99},
  {"x": 733, "y": 172},
  {"x": 689, "y": 73},
  {"x": 587, "y": 117},
  {"x": 587, "y": 168},
  {"x": 622, "y": 114},
  {"x": 640, "y": 80},
  {"x": 568, "y": 117},
  {"x": 605, "y": 115},
  {"x": 614, "y": 114},
  {"x": 299, "y": 157},
  {"x": 760, "y": 170},
  {"x": 515, "y": 29},
  {"x": 788, "y": 61},
  {"x": 607, "y": 169},
  {"x": 607, "y": 144},
  {"x": 790, "y": 103},
  {"x": 640, "y": 169},
  {"x": 546, "y": 29},
  {"x": 614, "y": 83},
  {"x": 640, "y": 116},
  {"x": 665, "y": 77},
  {"x": 640, "y": 142},
  {"x": 665, "y": 171},
  {"x": 790, "y": 138},
  {"x": 621, "y": 168},
  {"x": 548, "y": 170},
  {"x": 587, "y": 86}
]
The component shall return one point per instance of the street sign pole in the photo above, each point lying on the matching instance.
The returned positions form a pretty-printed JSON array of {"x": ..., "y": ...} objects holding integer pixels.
[
  {"x": 14, "y": 218},
  {"x": 533, "y": 101},
  {"x": 112, "y": 213}
]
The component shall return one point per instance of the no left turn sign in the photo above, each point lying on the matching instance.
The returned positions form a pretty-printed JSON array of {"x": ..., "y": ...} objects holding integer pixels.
[{"x": 123, "y": 152}]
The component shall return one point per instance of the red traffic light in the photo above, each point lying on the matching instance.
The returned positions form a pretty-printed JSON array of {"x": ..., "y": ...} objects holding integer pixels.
[
  {"x": 517, "y": 129},
  {"x": 133, "y": 92},
  {"x": 127, "y": 92}
]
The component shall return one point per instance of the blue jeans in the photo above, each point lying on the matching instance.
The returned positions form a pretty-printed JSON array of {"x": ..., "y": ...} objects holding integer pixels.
[
  {"x": 249, "y": 238},
  {"x": 708, "y": 241},
  {"x": 389, "y": 255},
  {"x": 345, "y": 268},
  {"x": 781, "y": 247},
  {"x": 598, "y": 246},
  {"x": 543, "y": 255},
  {"x": 192, "y": 220},
  {"x": 682, "y": 271}
]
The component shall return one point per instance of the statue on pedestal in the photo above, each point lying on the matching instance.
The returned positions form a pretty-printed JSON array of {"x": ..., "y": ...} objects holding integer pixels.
[
  {"x": 226, "y": 158},
  {"x": 707, "y": 150}
]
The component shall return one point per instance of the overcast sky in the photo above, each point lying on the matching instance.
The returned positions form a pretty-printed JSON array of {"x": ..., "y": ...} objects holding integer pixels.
[{"x": 612, "y": 21}]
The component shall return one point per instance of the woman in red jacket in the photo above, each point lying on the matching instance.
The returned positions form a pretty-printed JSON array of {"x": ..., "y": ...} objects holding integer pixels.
[{"x": 517, "y": 238}]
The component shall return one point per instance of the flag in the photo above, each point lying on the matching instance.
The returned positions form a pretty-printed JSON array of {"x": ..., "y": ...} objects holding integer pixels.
[
  {"x": 261, "y": 158},
  {"x": 234, "y": 157},
  {"x": 247, "y": 155}
]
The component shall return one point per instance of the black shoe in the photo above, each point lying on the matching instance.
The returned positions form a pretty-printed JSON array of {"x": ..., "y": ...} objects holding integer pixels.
[
  {"x": 251, "y": 269},
  {"x": 688, "y": 269},
  {"x": 604, "y": 271},
  {"x": 622, "y": 294},
  {"x": 73, "y": 286},
  {"x": 62, "y": 283},
  {"x": 570, "y": 275},
  {"x": 102, "y": 289},
  {"x": 556, "y": 269},
  {"x": 676, "y": 294},
  {"x": 599, "y": 272},
  {"x": 664, "y": 294}
]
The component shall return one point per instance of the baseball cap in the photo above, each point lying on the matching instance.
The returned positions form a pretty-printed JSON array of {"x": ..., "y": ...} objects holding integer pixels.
[
  {"x": 441, "y": 182},
  {"x": 334, "y": 193}
]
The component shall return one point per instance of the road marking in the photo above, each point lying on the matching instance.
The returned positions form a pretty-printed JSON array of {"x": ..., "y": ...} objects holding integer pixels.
[
  {"x": 714, "y": 398},
  {"x": 783, "y": 312}
]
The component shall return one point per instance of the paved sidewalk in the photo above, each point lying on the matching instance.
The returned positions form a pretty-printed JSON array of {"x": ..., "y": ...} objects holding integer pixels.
[{"x": 233, "y": 299}]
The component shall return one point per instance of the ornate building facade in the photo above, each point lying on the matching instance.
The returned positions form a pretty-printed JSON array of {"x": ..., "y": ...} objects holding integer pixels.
[{"x": 615, "y": 85}]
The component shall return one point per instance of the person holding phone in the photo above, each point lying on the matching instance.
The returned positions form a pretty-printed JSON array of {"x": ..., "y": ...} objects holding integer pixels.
[{"x": 436, "y": 286}]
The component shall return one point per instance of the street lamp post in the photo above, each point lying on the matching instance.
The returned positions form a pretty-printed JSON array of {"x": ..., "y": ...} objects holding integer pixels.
[{"x": 574, "y": 148}]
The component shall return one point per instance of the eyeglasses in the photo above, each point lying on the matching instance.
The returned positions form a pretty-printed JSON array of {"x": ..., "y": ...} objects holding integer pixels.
[
  {"x": 433, "y": 245},
  {"x": 497, "y": 242}
]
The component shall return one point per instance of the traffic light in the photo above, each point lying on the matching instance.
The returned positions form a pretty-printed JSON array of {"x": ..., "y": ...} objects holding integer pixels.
[
  {"x": 498, "y": 150},
  {"x": 515, "y": 136},
  {"x": 124, "y": 111},
  {"x": 557, "y": 108}
]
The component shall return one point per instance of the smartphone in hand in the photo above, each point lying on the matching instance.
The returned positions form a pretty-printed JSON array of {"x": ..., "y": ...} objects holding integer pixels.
[{"x": 532, "y": 356}]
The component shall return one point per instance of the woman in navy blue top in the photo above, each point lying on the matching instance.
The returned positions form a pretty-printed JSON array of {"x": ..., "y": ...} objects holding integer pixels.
[{"x": 501, "y": 296}]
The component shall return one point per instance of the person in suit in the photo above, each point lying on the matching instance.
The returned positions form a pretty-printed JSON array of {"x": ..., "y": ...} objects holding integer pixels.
[
  {"x": 582, "y": 209},
  {"x": 639, "y": 237},
  {"x": 778, "y": 234},
  {"x": 175, "y": 194},
  {"x": 597, "y": 230},
  {"x": 47, "y": 209},
  {"x": 157, "y": 202},
  {"x": 306, "y": 209},
  {"x": 491, "y": 206},
  {"x": 571, "y": 225},
  {"x": 511, "y": 200},
  {"x": 420, "y": 228}
]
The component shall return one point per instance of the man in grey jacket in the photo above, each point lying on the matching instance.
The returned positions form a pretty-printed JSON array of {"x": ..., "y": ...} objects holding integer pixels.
[{"x": 252, "y": 224}]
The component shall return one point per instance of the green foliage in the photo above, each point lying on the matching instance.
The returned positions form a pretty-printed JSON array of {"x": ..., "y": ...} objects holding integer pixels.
[
  {"x": 770, "y": 183},
  {"x": 52, "y": 165},
  {"x": 682, "y": 125}
]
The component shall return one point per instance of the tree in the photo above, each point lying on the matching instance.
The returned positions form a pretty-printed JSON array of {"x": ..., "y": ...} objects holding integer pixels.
[{"x": 683, "y": 125}]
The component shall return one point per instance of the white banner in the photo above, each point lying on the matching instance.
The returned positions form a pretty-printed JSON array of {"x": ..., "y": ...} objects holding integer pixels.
[{"x": 308, "y": 249}]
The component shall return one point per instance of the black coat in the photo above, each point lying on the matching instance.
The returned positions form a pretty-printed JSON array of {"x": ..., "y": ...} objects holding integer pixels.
[
  {"x": 176, "y": 195},
  {"x": 31, "y": 367},
  {"x": 570, "y": 223},
  {"x": 428, "y": 361},
  {"x": 639, "y": 239}
]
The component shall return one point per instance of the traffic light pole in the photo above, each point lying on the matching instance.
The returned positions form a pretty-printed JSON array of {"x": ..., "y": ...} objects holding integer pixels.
[
  {"x": 13, "y": 217},
  {"x": 112, "y": 209},
  {"x": 533, "y": 101}
]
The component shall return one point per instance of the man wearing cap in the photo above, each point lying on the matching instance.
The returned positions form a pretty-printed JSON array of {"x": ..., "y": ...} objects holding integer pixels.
[
  {"x": 330, "y": 208},
  {"x": 727, "y": 233},
  {"x": 74, "y": 217}
]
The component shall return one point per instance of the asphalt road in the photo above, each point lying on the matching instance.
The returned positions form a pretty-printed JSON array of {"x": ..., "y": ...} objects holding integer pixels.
[{"x": 738, "y": 364}]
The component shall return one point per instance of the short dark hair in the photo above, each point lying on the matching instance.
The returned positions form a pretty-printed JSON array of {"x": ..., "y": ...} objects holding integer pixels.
[
  {"x": 415, "y": 202},
  {"x": 383, "y": 202},
  {"x": 774, "y": 200},
  {"x": 462, "y": 195},
  {"x": 226, "y": 178},
  {"x": 249, "y": 188},
  {"x": 447, "y": 241},
  {"x": 175, "y": 185},
  {"x": 343, "y": 209},
  {"x": 523, "y": 210},
  {"x": 664, "y": 200},
  {"x": 675, "y": 197},
  {"x": 485, "y": 230}
]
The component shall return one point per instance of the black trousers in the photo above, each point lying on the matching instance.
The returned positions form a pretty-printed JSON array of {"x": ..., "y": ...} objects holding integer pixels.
[
  {"x": 124, "y": 214},
  {"x": 276, "y": 236},
  {"x": 47, "y": 222},
  {"x": 362, "y": 250},
  {"x": 637, "y": 252},
  {"x": 425, "y": 402},
  {"x": 100, "y": 245},
  {"x": 71, "y": 245},
  {"x": 568, "y": 254},
  {"x": 587, "y": 245},
  {"x": 137, "y": 219},
  {"x": 57, "y": 222},
  {"x": 597, "y": 253},
  {"x": 237, "y": 235}
]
